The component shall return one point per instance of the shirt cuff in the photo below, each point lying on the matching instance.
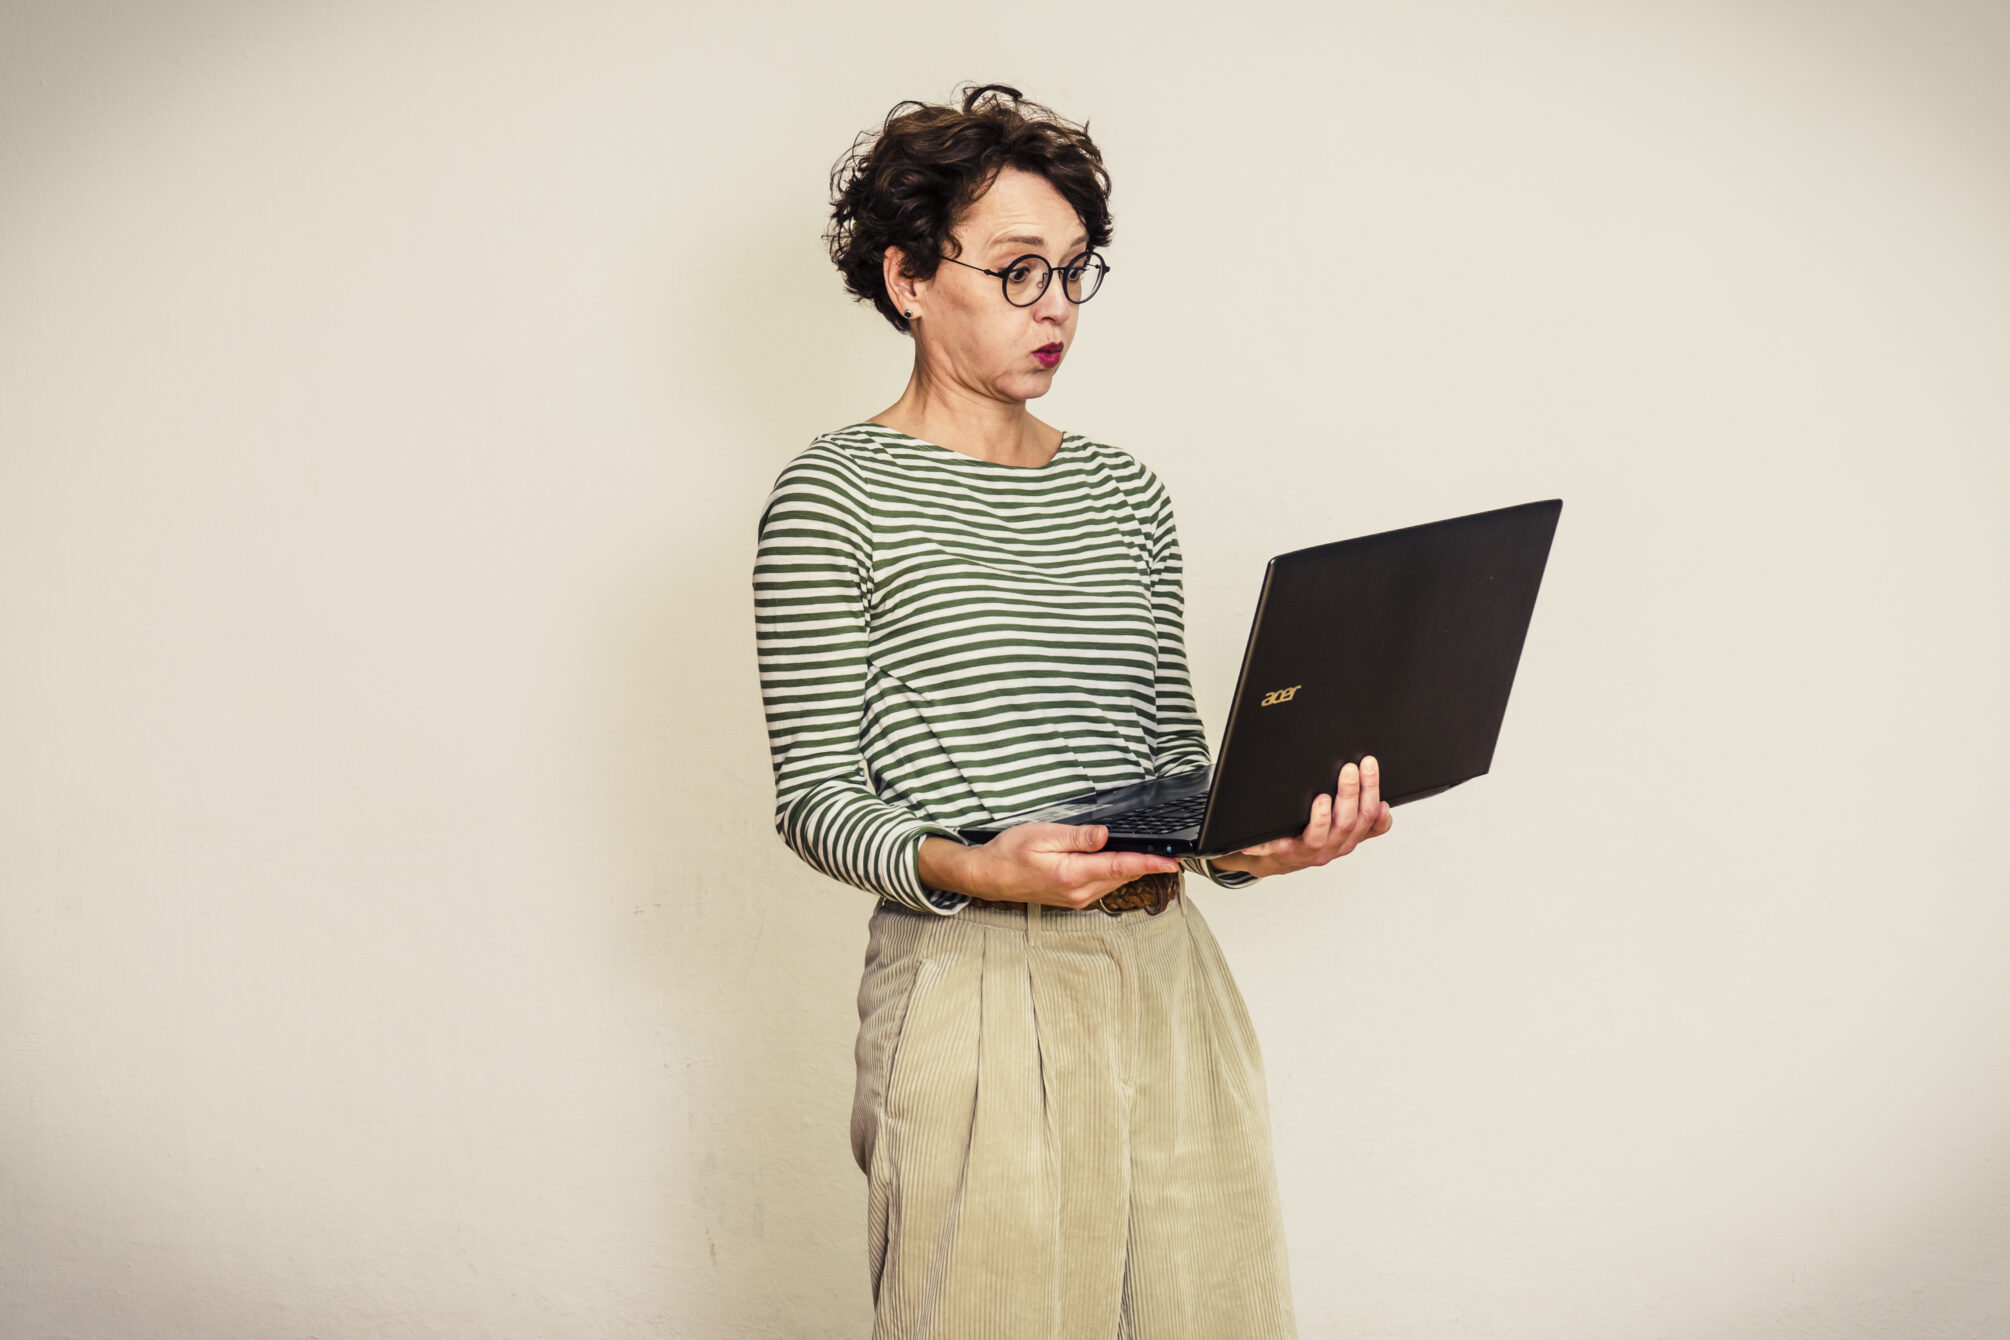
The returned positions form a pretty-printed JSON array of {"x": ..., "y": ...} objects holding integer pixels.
[
  {"x": 1227, "y": 879},
  {"x": 942, "y": 902}
]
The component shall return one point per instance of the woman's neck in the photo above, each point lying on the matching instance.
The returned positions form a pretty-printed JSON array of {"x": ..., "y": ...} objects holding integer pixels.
[{"x": 986, "y": 431}]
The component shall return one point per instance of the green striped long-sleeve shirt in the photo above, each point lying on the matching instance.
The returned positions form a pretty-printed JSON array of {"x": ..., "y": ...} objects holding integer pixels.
[{"x": 944, "y": 640}]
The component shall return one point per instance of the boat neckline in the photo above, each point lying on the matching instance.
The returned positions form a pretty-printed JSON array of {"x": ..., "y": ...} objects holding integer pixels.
[{"x": 1066, "y": 438}]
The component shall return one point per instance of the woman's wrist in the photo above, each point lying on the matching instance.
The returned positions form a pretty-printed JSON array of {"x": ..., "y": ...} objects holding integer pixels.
[
  {"x": 947, "y": 865},
  {"x": 1243, "y": 862}
]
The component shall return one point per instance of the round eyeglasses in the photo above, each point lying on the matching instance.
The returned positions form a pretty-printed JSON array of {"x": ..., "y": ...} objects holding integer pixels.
[{"x": 1025, "y": 280}]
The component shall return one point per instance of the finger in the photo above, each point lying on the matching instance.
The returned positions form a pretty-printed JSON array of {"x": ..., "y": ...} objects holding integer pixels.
[
  {"x": 1320, "y": 827},
  {"x": 1378, "y": 821},
  {"x": 1347, "y": 801},
  {"x": 1053, "y": 837},
  {"x": 1370, "y": 812},
  {"x": 1121, "y": 866},
  {"x": 1130, "y": 864},
  {"x": 1083, "y": 837}
]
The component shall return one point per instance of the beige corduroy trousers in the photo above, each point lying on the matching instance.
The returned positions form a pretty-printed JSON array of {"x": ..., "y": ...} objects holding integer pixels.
[{"x": 1062, "y": 1120}]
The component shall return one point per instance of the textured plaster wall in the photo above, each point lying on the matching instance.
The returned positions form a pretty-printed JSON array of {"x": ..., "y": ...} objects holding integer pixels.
[{"x": 393, "y": 941}]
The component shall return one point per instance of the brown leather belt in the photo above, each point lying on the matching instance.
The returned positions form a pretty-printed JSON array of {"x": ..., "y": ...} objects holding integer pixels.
[{"x": 1153, "y": 892}]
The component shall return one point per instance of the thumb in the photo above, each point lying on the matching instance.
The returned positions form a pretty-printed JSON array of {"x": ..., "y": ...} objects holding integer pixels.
[{"x": 1087, "y": 837}]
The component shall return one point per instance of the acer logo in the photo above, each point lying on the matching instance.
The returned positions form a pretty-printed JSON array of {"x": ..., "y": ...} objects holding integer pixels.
[{"x": 1279, "y": 695}]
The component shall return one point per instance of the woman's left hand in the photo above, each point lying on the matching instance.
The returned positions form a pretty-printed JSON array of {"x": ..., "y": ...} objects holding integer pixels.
[{"x": 1340, "y": 822}]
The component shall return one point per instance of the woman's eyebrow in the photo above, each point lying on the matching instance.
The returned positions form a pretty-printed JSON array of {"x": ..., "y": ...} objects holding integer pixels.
[{"x": 1033, "y": 239}]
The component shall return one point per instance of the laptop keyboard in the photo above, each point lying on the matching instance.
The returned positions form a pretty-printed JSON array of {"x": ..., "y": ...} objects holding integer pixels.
[{"x": 1168, "y": 817}]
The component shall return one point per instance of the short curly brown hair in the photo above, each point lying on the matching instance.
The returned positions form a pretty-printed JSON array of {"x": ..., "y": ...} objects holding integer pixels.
[{"x": 908, "y": 183}]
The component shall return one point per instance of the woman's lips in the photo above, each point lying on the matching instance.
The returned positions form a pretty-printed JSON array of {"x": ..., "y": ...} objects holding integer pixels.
[{"x": 1048, "y": 356}]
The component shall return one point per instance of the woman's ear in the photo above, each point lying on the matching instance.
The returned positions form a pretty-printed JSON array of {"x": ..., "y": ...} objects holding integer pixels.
[{"x": 901, "y": 289}]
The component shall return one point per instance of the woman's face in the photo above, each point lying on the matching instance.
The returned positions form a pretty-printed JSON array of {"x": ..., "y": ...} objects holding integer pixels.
[{"x": 965, "y": 327}]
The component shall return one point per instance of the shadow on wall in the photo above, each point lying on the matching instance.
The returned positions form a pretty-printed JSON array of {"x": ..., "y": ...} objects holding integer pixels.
[{"x": 748, "y": 960}]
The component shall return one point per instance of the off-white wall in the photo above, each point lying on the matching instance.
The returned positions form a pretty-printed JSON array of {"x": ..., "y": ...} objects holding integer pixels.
[{"x": 392, "y": 937}]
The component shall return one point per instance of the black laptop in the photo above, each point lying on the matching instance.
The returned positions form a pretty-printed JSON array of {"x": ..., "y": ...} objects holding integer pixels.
[{"x": 1402, "y": 645}]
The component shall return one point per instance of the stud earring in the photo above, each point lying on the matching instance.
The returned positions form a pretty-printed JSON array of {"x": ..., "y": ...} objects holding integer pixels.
[{"x": 910, "y": 314}]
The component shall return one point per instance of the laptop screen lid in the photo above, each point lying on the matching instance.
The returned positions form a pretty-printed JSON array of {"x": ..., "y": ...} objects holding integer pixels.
[{"x": 1402, "y": 644}]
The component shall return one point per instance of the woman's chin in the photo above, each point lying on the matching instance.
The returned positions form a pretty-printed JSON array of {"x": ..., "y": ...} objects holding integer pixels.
[{"x": 1028, "y": 385}]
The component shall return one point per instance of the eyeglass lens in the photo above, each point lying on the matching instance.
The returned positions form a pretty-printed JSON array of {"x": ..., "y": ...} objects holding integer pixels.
[{"x": 1027, "y": 279}]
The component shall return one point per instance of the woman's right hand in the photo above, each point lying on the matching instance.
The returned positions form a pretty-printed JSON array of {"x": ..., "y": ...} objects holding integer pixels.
[{"x": 1057, "y": 865}]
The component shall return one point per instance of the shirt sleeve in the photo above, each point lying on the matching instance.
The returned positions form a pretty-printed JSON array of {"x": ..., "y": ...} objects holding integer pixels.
[
  {"x": 1178, "y": 741},
  {"x": 812, "y": 588}
]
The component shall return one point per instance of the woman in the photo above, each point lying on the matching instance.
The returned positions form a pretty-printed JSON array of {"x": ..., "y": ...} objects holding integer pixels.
[{"x": 963, "y": 612}]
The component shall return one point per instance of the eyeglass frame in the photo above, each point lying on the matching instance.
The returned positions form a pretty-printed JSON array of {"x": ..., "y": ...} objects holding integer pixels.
[{"x": 1004, "y": 276}]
